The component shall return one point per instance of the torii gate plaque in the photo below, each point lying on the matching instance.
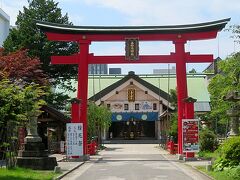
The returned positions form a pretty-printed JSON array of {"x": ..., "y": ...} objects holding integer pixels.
[{"x": 179, "y": 35}]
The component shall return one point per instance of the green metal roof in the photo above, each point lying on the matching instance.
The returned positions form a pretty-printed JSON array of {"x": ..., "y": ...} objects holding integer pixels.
[{"x": 197, "y": 87}]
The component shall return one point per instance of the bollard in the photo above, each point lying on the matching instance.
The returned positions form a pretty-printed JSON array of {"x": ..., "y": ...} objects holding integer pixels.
[
  {"x": 209, "y": 166},
  {"x": 57, "y": 169}
]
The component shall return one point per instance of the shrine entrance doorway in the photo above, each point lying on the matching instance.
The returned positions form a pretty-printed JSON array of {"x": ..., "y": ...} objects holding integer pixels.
[{"x": 136, "y": 129}]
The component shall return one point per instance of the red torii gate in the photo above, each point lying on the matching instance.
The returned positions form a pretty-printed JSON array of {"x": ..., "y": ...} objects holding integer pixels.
[{"x": 179, "y": 35}]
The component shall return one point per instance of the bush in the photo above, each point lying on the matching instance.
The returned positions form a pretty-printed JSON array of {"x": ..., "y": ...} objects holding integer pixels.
[
  {"x": 207, "y": 155},
  {"x": 234, "y": 173},
  {"x": 207, "y": 140},
  {"x": 229, "y": 154}
]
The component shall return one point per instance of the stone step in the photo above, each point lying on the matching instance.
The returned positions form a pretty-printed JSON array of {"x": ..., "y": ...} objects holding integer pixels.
[
  {"x": 40, "y": 163},
  {"x": 24, "y": 153}
]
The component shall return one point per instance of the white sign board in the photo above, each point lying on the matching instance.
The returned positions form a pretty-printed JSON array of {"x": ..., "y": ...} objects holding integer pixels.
[
  {"x": 74, "y": 139},
  {"x": 190, "y": 135}
]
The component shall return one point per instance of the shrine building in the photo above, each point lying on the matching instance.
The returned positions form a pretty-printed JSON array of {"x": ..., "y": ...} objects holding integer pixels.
[{"x": 140, "y": 103}]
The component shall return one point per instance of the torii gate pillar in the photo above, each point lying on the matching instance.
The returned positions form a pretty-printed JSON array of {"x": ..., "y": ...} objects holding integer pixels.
[
  {"x": 181, "y": 85},
  {"x": 82, "y": 90}
]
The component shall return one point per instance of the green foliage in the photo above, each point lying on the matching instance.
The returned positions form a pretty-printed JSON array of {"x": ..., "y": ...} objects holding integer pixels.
[
  {"x": 173, "y": 131},
  {"x": 206, "y": 154},
  {"x": 235, "y": 29},
  {"x": 193, "y": 71},
  {"x": 229, "y": 154},
  {"x": 234, "y": 173},
  {"x": 99, "y": 118},
  {"x": 21, "y": 173},
  {"x": 173, "y": 98},
  {"x": 57, "y": 100},
  {"x": 227, "y": 80},
  {"x": 11, "y": 114},
  {"x": 227, "y": 174},
  {"x": 32, "y": 101},
  {"x": 207, "y": 140},
  {"x": 17, "y": 105},
  {"x": 28, "y": 36}
]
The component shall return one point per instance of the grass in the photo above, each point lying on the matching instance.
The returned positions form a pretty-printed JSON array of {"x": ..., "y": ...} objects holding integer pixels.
[
  {"x": 219, "y": 175},
  {"x": 25, "y": 174},
  {"x": 207, "y": 154}
]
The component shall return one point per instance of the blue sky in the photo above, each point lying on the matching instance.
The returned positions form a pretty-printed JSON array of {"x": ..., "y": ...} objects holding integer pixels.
[{"x": 148, "y": 12}]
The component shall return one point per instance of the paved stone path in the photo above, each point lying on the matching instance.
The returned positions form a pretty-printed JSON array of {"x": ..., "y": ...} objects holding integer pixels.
[{"x": 134, "y": 162}]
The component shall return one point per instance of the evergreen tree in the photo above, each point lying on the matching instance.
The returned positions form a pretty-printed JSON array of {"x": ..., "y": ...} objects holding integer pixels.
[
  {"x": 27, "y": 36},
  {"x": 193, "y": 71}
]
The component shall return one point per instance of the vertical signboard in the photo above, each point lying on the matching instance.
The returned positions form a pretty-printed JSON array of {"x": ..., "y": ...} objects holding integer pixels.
[
  {"x": 131, "y": 95},
  {"x": 190, "y": 135},
  {"x": 132, "y": 49},
  {"x": 74, "y": 139}
]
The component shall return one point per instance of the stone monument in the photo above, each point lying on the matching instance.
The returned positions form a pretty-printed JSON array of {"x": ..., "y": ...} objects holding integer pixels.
[{"x": 33, "y": 155}]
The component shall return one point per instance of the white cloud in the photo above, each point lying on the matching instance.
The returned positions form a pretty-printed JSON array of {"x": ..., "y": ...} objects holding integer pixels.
[
  {"x": 12, "y": 8},
  {"x": 170, "y": 12}
]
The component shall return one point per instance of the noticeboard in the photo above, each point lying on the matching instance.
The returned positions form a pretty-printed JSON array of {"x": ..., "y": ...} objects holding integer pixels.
[
  {"x": 74, "y": 139},
  {"x": 190, "y": 135}
]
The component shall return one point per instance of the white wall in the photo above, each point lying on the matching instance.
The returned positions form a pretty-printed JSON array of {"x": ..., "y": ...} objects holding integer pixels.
[{"x": 4, "y": 26}]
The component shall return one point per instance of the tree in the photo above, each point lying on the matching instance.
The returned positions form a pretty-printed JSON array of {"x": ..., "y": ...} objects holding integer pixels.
[
  {"x": 173, "y": 131},
  {"x": 224, "y": 82},
  {"x": 10, "y": 116},
  {"x": 99, "y": 118},
  {"x": 17, "y": 105},
  {"x": 235, "y": 29},
  {"x": 173, "y": 98},
  {"x": 28, "y": 36},
  {"x": 20, "y": 67},
  {"x": 193, "y": 71}
]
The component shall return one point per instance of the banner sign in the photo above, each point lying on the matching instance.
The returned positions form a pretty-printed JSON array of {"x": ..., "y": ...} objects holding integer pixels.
[
  {"x": 190, "y": 135},
  {"x": 74, "y": 139}
]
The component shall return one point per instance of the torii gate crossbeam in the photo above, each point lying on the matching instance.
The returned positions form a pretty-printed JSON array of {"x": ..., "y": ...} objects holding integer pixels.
[{"x": 179, "y": 35}]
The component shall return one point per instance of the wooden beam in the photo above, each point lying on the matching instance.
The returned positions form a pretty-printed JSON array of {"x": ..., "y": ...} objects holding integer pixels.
[
  {"x": 73, "y": 59},
  {"x": 121, "y": 59},
  {"x": 142, "y": 37},
  {"x": 198, "y": 58}
]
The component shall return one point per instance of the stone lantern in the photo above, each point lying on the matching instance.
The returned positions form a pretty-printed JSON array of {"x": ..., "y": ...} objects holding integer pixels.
[
  {"x": 33, "y": 155},
  {"x": 233, "y": 112}
]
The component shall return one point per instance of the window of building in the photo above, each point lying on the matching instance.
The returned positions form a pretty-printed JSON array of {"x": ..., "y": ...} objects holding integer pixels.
[
  {"x": 108, "y": 106},
  {"x": 154, "y": 106},
  {"x": 137, "y": 106},
  {"x": 125, "y": 106}
]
